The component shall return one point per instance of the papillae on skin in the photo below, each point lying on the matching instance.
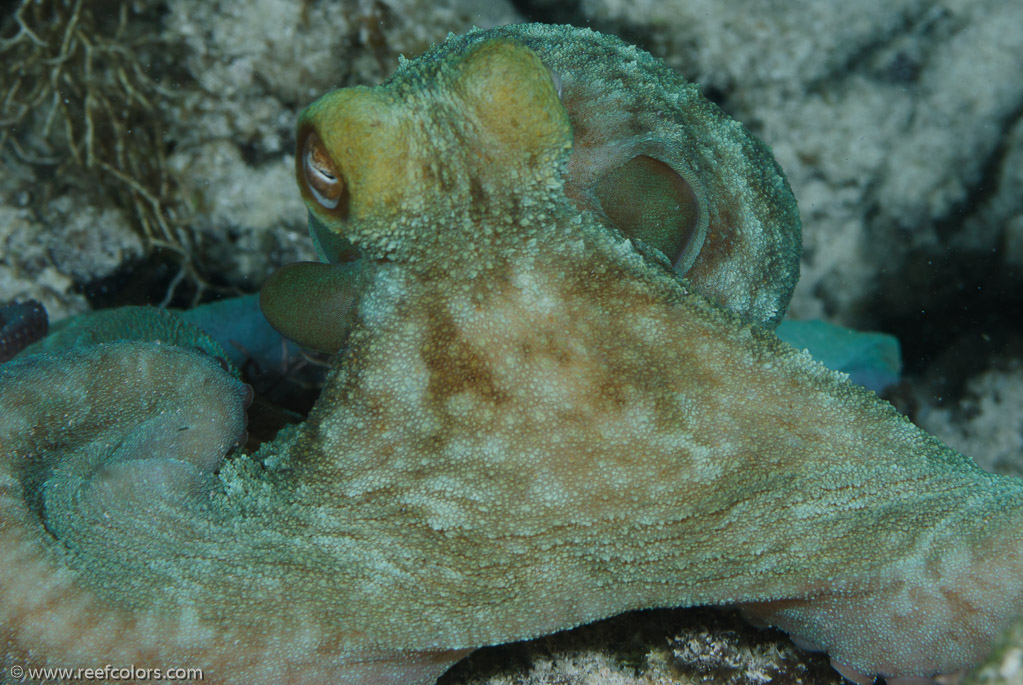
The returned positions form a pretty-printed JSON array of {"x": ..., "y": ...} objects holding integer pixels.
[{"x": 537, "y": 417}]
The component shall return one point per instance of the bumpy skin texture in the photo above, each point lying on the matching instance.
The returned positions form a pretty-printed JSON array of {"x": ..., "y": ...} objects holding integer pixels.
[
  {"x": 126, "y": 323},
  {"x": 534, "y": 423}
]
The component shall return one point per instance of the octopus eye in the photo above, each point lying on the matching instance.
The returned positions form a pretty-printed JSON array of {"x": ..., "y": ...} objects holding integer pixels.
[
  {"x": 321, "y": 175},
  {"x": 648, "y": 200}
]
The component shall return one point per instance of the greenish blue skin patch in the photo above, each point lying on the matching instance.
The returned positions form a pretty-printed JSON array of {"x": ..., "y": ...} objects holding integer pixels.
[
  {"x": 241, "y": 330},
  {"x": 143, "y": 324},
  {"x": 330, "y": 246},
  {"x": 233, "y": 329},
  {"x": 872, "y": 360}
]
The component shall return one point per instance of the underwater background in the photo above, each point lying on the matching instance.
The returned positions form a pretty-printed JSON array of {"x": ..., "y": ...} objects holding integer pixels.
[{"x": 147, "y": 157}]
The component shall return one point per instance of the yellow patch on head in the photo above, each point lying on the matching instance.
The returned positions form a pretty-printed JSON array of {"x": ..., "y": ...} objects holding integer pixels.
[{"x": 513, "y": 97}]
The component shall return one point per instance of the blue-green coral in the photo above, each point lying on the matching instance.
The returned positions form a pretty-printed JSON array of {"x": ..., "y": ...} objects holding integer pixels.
[{"x": 543, "y": 414}]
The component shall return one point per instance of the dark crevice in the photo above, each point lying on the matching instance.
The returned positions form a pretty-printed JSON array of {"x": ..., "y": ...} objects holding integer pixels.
[
  {"x": 961, "y": 324},
  {"x": 160, "y": 277},
  {"x": 697, "y": 644},
  {"x": 955, "y": 308},
  {"x": 551, "y": 12}
]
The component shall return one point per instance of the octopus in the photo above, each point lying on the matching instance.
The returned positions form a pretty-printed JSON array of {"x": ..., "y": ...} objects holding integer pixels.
[{"x": 556, "y": 396}]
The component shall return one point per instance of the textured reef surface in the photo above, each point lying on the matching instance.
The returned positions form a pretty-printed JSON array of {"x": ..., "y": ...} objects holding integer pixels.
[{"x": 557, "y": 396}]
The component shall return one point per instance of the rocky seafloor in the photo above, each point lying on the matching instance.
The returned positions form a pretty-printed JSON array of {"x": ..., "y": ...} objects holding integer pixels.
[{"x": 160, "y": 170}]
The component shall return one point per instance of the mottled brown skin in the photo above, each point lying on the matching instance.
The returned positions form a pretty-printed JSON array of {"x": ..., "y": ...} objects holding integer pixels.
[{"x": 535, "y": 421}]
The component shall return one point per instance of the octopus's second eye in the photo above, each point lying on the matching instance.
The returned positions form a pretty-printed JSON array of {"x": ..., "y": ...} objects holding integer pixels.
[
  {"x": 648, "y": 200},
  {"x": 321, "y": 175}
]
